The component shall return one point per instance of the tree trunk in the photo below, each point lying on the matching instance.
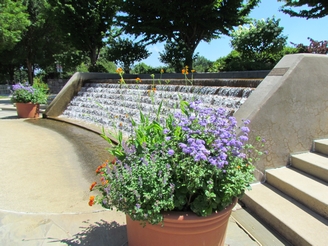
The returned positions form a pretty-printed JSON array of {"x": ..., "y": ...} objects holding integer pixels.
[
  {"x": 94, "y": 56},
  {"x": 30, "y": 71}
]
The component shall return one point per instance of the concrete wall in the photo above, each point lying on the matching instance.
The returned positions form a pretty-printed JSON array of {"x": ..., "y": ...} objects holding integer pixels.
[{"x": 289, "y": 108}]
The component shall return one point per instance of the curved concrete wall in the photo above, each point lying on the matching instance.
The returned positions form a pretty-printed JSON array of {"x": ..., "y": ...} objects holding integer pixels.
[{"x": 289, "y": 109}]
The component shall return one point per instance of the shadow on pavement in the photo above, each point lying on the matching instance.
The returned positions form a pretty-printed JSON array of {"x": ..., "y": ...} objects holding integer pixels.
[{"x": 101, "y": 233}]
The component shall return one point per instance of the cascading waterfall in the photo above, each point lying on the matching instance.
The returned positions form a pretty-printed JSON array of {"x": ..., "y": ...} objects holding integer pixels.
[{"x": 112, "y": 105}]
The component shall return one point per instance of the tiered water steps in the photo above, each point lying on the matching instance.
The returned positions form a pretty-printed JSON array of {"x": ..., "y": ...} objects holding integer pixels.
[{"x": 111, "y": 105}]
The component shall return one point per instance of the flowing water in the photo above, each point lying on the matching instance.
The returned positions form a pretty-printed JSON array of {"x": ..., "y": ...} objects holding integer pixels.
[{"x": 112, "y": 105}]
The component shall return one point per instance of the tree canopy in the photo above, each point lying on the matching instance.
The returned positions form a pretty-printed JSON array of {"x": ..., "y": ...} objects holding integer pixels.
[
  {"x": 13, "y": 22},
  {"x": 85, "y": 23},
  {"x": 183, "y": 22},
  {"x": 315, "y": 8},
  {"x": 259, "y": 36},
  {"x": 124, "y": 52}
]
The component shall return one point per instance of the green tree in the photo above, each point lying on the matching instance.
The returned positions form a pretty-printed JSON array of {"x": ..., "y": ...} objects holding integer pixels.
[
  {"x": 13, "y": 22},
  {"x": 86, "y": 23},
  {"x": 41, "y": 40},
  {"x": 315, "y": 8},
  {"x": 125, "y": 52},
  {"x": 174, "y": 55},
  {"x": 183, "y": 22},
  {"x": 201, "y": 64},
  {"x": 259, "y": 41}
]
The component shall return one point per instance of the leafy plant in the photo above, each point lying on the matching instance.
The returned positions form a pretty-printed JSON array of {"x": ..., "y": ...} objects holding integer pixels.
[
  {"x": 193, "y": 160},
  {"x": 25, "y": 93}
]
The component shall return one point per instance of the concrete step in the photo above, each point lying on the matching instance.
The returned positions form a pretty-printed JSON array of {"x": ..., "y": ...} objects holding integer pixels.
[
  {"x": 302, "y": 187},
  {"x": 321, "y": 146},
  {"x": 294, "y": 221},
  {"x": 258, "y": 231},
  {"x": 311, "y": 163}
]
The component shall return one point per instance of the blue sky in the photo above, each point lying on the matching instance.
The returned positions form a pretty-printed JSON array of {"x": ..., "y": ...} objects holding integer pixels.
[{"x": 296, "y": 29}]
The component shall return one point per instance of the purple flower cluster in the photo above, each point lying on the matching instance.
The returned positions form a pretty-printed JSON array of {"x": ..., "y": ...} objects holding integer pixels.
[
  {"x": 25, "y": 86},
  {"x": 210, "y": 134}
]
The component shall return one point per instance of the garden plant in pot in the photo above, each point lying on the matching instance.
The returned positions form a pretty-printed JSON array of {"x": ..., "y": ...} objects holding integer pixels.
[
  {"x": 27, "y": 98},
  {"x": 177, "y": 179}
]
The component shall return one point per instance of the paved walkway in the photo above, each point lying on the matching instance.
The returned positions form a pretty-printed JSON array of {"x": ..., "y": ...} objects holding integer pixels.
[{"x": 44, "y": 190}]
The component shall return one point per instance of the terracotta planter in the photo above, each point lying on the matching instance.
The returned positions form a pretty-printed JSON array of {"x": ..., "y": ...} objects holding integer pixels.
[
  {"x": 181, "y": 229},
  {"x": 28, "y": 110}
]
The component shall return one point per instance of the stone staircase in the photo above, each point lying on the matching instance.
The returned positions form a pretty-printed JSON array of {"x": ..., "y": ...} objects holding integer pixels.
[{"x": 294, "y": 200}]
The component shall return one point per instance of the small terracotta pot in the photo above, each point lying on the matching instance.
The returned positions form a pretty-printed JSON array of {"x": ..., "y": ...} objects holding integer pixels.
[
  {"x": 181, "y": 228},
  {"x": 28, "y": 110}
]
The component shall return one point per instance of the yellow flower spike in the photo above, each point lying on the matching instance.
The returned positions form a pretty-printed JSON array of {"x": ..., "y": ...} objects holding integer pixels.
[
  {"x": 138, "y": 80},
  {"x": 162, "y": 70},
  {"x": 193, "y": 70}
]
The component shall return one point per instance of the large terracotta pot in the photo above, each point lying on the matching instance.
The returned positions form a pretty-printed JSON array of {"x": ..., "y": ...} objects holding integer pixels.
[
  {"x": 181, "y": 228},
  {"x": 28, "y": 110}
]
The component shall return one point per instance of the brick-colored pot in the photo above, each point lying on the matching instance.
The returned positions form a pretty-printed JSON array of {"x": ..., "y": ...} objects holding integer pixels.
[
  {"x": 28, "y": 110},
  {"x": 181, "y": 228}
]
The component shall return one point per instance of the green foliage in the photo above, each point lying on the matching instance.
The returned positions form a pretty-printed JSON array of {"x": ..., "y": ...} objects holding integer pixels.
[
  {"x": 125, "y": 52},
  {"x": 193, "y": 160},
  {"x": 183, "y": 22},
  {"x": 13, "y": 22},
  {"x": 258, "y": 37},
  {"x": 314, "y": 8},
  {"x": 25, "y": 93},
  {"x": 174, "y": 55},
  {"x": 234, "y": 61},
  {"x": 144, "y": 68},
  {"x": 258, "y": 45},
  {"x": 85, "y": 24},
  {"x": 201, "y": 64}
]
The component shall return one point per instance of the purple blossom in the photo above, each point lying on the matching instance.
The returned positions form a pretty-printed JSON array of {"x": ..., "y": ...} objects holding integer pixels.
[{"x": 170, "y": 152}]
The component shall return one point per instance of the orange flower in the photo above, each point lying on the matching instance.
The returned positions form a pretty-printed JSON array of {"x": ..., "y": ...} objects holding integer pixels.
[
  {"x": 154, "y": 89},
  {"x": 138, "y": 80},
  {"x": 93, "y": 185},
  {"x": 238, "y": 167},
  {"x": 193, "y": 70},
  {"x": 103, "y": 181},
  {"x": 91, "y": 200},
  {"x": 162, "y": 70},
  {"x": 98, "y": 169},
  {"x": 119, "y": 70},
  {"x": 101, "y": 166},
  {"x": 113, "y": 161},
  {"x": 121, "y": 124},
  {"x": 185, "y": 70}
]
